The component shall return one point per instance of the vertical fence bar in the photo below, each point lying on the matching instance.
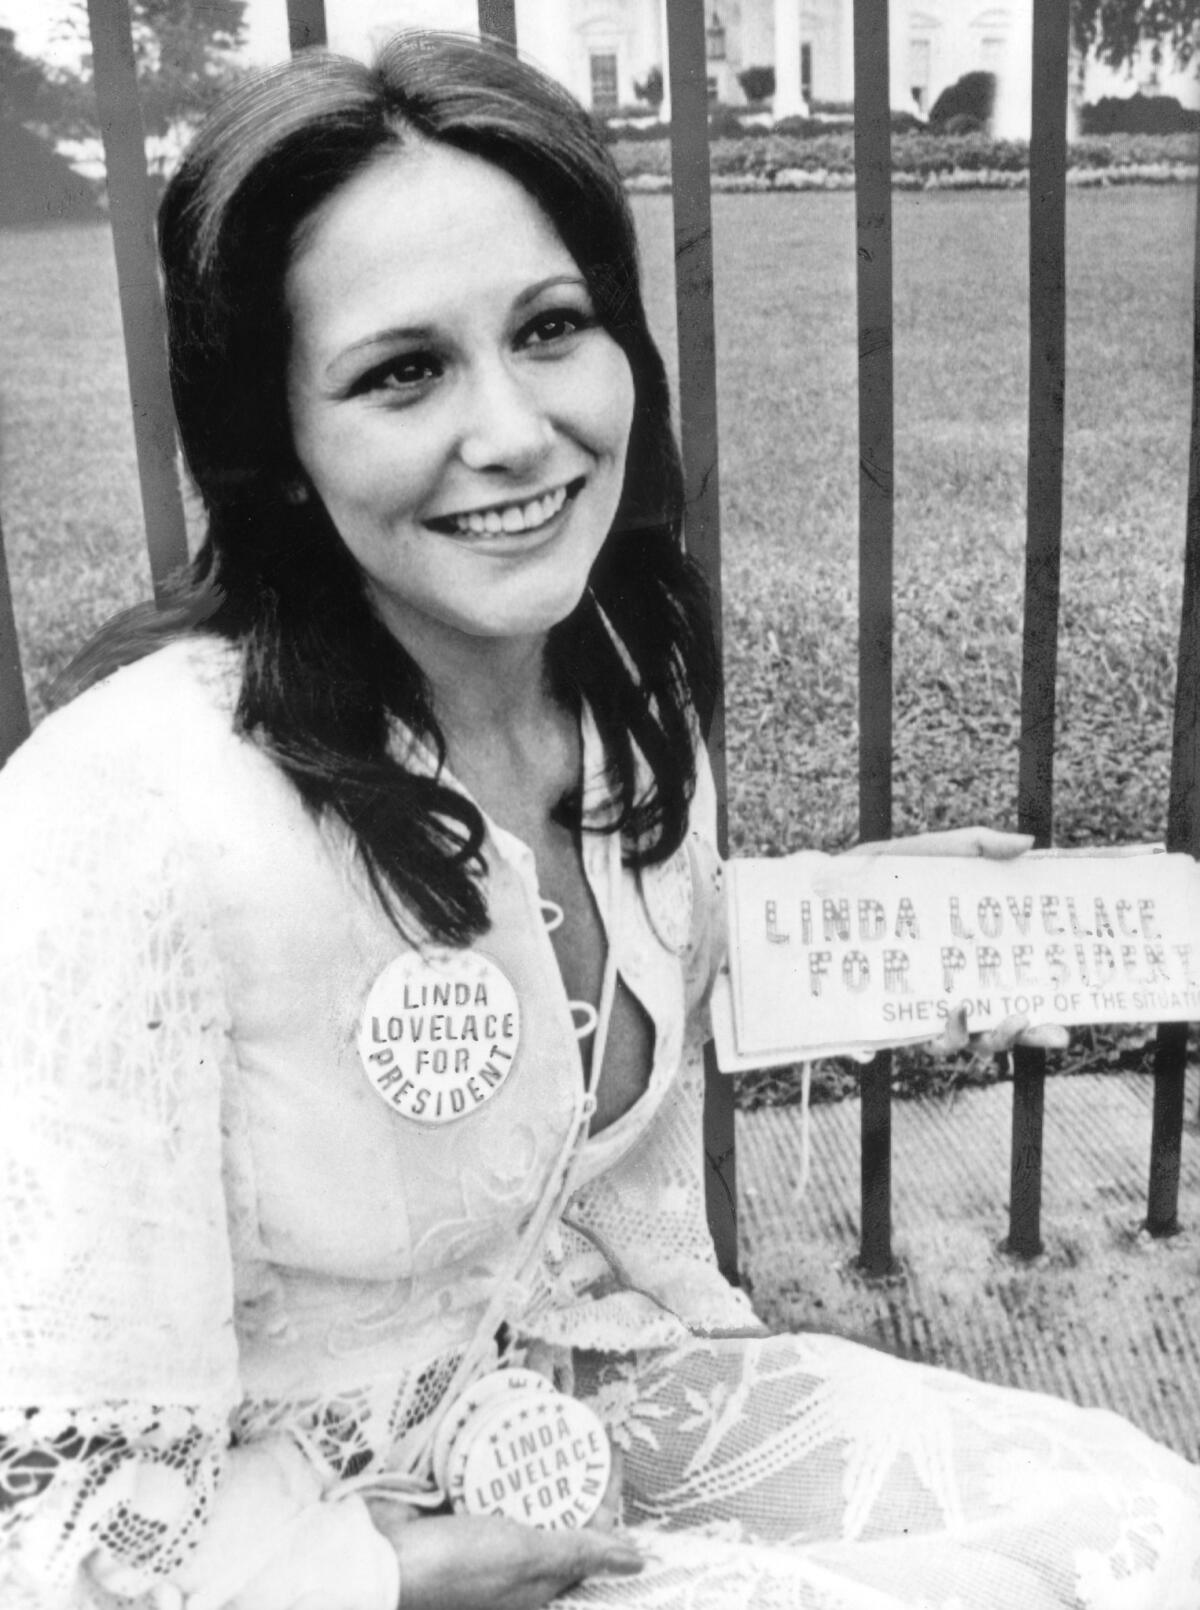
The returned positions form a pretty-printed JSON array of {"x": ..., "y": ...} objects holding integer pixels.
[
  {"x": 498, "y": 20},
  {"x": 1166, "y": 1129},
  {"x": 1183, "y": 820},
  {"x": 142, "y": 319},
  {"x": 306, "y": 24},
  {"x": 1025, "y": 1164},
  {"x": 692, "y": 202},
  {"x": 876, "y": 436},
  {"x": 14, "y": 708},
  {"x": 876, "y": 432},
  {"x": 1043, "y": 551}
]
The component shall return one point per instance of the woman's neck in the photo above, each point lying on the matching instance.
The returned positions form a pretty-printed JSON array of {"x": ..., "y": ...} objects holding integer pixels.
[
  {"x": 509, "y": 741},
  {"x": 498, "y": 693},
  {"x": 477, "y": 683}
]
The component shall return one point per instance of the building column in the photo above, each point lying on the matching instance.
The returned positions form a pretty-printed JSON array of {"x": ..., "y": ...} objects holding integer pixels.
[
  {"x": 544, "y": 35},
  {"x": 899, "y": 47},
  {"x": 789, "y": 99},
  {"x": 1012, "y": 115},
  {"x": 664, "y": 110}
]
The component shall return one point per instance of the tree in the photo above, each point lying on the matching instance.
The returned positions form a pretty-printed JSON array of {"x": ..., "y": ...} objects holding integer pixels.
[
  {"x": 1116, "y": 29},
  {"x": 27, "y": 92},
  {"x": 36, "y": 185},
  {"x": 186, "y": 54}
]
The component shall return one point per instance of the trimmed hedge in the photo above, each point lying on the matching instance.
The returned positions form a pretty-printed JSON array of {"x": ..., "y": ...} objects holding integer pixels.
[
  {"x": 1138, "y": 114},
  {"x": 826, "y": 161},
  {"x": 972, "y": 96}
]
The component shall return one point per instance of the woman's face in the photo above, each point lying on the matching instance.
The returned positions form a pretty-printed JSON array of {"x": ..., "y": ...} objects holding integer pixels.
[{"x": 454, "y": 402}]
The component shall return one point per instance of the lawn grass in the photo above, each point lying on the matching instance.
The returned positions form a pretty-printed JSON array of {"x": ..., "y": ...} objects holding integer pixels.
[{"x": 786, "y": 354}]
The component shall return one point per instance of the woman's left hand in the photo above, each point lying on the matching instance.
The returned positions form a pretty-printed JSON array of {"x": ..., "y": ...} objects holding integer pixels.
[
  {"x": 988, "y": 842},
  {"x": 992, "y": 845}
]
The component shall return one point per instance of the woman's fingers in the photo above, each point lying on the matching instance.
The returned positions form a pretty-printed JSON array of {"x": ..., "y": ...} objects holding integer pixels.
[
  {"x": 1017, "y": 1030},
  {"x": 600, "y": 1553},
  {"x": 988, "y": 842},
  {"x": 1003, "y": 1037},
  {"x": 457, "y": 1562},
  {"x": 956, "y": 1036},
  {"x": 1046, "y": 1037},
  {"x": 1012, "y": 1030}
]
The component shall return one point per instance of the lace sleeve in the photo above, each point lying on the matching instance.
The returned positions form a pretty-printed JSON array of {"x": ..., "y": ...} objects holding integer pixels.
[
  {"x": 117, "y": 1355},
  {"x": 126, "y": 1485}
]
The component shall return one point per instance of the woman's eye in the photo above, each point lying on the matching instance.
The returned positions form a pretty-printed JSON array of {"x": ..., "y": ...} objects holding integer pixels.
[
  {"x": 556, "y": 326},
  {"x": 403, "y": 374}
]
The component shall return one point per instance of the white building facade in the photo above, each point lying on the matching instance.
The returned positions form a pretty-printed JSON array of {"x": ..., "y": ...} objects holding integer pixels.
[{"x": 602, "y": 50}]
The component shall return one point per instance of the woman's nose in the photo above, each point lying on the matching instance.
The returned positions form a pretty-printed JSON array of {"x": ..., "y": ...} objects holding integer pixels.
[{"x": 505, "y": 426}]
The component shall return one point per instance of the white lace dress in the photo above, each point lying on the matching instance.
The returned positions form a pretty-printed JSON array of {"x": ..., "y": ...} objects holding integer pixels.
[{"x": 238, "y": 1287}]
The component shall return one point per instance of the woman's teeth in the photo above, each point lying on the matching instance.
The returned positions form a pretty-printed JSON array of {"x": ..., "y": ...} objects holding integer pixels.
[{"x": 513, "y": 516}]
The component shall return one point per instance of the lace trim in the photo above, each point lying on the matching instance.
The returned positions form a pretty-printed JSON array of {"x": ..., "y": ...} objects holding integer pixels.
[
  {"x": 360, "y": 1430},
  {"x": 135, "y": 1481}
]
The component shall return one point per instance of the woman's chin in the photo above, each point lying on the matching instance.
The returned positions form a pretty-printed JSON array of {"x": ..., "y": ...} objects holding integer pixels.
[{"x": 531, "y": 617}]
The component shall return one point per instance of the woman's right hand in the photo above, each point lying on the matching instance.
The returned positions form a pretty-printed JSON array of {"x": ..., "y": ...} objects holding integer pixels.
[{"x": 467, "y": 1562}]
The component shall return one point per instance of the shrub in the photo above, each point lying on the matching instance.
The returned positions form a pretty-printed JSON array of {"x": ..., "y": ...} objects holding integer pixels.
[
  {"x": 725, "y": 124},
  {"x": 635, "y": 133},
  {"x": 917, "y": 158},
  {"x": 973, "y": 95},
  {"x": 963, "y": 123},
  {"x": 906, "y": 123},
  {"x": 758, "y": 83},
  {"x": 650, "y": 89},
  {"x": 1137, "y": 114},
  {"x": 800, "y": 128}
]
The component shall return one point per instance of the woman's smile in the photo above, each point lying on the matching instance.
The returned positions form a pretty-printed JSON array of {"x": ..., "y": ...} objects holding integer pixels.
[
  {"x": 456, "y": 404},
  {"x": 533, "y": 513}
]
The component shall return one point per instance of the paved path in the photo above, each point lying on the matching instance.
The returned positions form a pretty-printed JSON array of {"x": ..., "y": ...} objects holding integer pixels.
[{"x": 1105, "y": 1316}]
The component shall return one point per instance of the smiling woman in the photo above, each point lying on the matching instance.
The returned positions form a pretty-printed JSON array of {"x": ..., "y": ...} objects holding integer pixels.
[{"x": 352, "y": 1165}]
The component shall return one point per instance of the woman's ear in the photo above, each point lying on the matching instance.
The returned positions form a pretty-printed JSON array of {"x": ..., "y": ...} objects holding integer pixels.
[{"x": 296, "y": 492}]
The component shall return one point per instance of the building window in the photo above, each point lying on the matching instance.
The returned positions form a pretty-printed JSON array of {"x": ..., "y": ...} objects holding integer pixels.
[
  {"x": 604, "y": 81},
  {"x": 920, "y": 70},
  {"x": 714, "y": 39},
  {"x": 991, "y": 55},
  {"x": 806, "y": 71}
]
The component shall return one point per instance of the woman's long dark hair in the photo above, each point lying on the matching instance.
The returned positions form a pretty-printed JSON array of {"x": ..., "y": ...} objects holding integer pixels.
[{"x": 323, "y": 682}]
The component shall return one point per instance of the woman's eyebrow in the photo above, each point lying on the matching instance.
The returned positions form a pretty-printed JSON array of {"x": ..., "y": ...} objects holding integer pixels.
[
  {"x": 394, "y": 335},
  {"x": 532, "y": 292}
]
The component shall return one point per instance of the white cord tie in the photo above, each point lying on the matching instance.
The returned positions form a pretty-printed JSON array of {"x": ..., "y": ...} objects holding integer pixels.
[{"x": 586, "y": 1018}]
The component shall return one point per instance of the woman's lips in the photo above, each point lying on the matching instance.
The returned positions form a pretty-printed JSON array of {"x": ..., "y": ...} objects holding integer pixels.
[{"x": 517, "y": 517}]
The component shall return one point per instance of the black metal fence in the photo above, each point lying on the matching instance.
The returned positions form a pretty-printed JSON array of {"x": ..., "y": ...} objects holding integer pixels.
[{"x": 141, "y": 310}]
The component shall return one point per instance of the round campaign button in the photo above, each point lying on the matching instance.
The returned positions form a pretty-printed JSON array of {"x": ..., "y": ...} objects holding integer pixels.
[
  {"x": 539, "y": 1458},
  {"x": 439, "y": 1034},
  {"x": 449, "y": 1470},
  {"x": 488, "y": 1387}
]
